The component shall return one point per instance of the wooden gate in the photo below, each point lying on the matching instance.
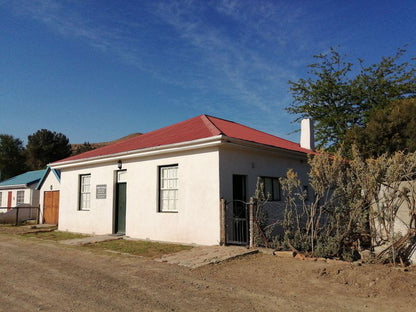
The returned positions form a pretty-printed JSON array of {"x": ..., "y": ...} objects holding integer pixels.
[{"x": 51, "y": 207}]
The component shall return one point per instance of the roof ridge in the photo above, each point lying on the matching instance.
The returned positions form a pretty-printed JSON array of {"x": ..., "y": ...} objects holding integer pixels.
[
  {"x": 212, "y": 127},
  {"x": 247, "y": 127}
]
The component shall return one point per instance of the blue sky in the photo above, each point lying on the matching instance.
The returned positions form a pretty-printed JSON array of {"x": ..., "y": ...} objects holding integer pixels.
[{"x": 99, "y": 70}]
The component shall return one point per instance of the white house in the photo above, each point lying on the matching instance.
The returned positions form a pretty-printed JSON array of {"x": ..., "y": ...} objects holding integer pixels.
[
  {"x": 20, "y": 189},
  {"x": 166, "y": 185},
  {"x": 48, "y": 187}
]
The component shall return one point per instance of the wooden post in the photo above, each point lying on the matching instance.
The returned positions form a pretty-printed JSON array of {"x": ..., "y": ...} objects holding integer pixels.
[
  {"x": 38, "y": 214},
  {"x": 251, "y": 222},
  {"x": 222, "y": 221},
  {"x": 17, "y": 216}
]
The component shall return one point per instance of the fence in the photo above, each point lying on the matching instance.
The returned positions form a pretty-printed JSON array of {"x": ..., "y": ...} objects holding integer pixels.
[
  {"x": 237, "y": 222},
  {"x": 19, "y": 214}
]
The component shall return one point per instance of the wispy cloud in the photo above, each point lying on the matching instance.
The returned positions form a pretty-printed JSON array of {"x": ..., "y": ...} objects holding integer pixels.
[{"x": 233, "y": 52}]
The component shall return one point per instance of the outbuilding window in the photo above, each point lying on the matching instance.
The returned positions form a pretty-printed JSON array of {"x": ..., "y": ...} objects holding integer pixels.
[
  {"x": 84, "y": 191},
  {"x": 272, "y": 188},
  {"x": 168, "y": 188},
  {"x": 20, "y": 197}
]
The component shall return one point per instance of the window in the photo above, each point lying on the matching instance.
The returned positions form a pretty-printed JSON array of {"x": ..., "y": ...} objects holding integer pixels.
[
  {"x": 271, "y": 188},
  {"x": 20, "y": 197},
  {"x": 168, "y": 188},
  {"x": 1, "y": 199},
  {"x": 84, "y": 192}
]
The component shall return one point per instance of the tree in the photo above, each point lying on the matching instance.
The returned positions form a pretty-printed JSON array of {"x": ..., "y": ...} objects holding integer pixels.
[
  {"x": 45, "y": 146},
  {"x": 339, "y": 97},
  {"x": 388, "y": 130},
  {"x": 12, "y": 158}
]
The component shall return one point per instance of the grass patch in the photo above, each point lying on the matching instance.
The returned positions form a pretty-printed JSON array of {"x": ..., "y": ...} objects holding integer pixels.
[
  {"x": 139, "y": 248},
  {"x": 55, "y": 235}
]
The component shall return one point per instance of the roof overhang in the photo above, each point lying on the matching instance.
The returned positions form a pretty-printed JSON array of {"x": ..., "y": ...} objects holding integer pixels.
[
  {"x": 264, "y": 147},
  {"x": 176, "y": 148},
  {"x": 16, "y": 186},
  {"x": 145, "y": 152}
]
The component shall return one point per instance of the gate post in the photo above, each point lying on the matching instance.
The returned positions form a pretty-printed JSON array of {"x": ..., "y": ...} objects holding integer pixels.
[
  {"x": 222, "y": 221},
  {"x": 251, "y": 222},
  {"x": 17, "y": 216}
]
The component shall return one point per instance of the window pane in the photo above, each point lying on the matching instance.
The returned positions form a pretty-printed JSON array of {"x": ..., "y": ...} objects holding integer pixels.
[
  {"x": 84, "y": 190},
  {"x": 268, "y": 188},
  {"x": 276, "y": 189},
  {"x": 20, "y": 197},
  {"x": 168, "y": 188}
]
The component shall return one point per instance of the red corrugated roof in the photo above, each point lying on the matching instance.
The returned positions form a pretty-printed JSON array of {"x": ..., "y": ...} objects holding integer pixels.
[{"x": 199, "y": 127}]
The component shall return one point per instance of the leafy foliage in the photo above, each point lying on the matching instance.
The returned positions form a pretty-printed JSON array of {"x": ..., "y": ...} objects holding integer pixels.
[
  {"x": 12, "y": 157},
  {"x": 45, "y": 146},
  {"x": 338, "y": 99},
  {"x": 388, "y": 130}
]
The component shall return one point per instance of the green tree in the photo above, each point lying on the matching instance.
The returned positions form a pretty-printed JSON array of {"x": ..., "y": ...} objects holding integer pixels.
[
  {"x": 339, "y": 94},
  {"x": 12, "y": 158},
  {"x": 45, "y": 146},
  {"x": 388, "y": 130}
]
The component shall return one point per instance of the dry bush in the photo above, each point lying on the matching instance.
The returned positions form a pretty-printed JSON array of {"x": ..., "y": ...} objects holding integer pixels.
[{"x": 356, "y": 204}]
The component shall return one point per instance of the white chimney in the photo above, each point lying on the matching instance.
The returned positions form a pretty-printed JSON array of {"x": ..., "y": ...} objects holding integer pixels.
[{"x": 306, "y": 134}]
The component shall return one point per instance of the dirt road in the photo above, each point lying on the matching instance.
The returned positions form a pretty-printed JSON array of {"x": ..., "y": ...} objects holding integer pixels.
[{"x": 39, "y": 276}]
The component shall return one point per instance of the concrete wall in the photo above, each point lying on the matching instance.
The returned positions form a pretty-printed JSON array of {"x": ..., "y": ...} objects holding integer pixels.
[
  {"x": 253, "y": 164},
  {"x": 197, "y": 219},
  {"x": 402, "y": 220}
]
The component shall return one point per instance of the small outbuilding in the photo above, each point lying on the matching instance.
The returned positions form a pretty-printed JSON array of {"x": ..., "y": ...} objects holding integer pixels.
[
  {"x": 20, "y": 192},
  {"x": 49, "y": 186},
  {"x": 20, "y": 189}
]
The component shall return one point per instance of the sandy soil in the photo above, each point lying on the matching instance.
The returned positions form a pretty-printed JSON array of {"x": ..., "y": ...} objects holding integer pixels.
[{"x": 45, "y": 276}]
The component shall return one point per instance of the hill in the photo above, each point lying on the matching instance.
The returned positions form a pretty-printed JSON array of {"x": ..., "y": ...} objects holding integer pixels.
[{"x": 78, "y": 148}]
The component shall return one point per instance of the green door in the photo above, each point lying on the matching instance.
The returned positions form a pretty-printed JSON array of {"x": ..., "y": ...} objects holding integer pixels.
[{"x": 120, "y": 220}]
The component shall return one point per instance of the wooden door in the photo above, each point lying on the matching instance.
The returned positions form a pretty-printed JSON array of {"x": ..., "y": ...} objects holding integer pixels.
[
  {"x": 51, "y": 207},
  {"x": 9, "y": 201}
]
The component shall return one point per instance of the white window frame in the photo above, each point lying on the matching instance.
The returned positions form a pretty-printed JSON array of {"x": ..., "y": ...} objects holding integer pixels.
[
  {"x": 84, "y": 191},
  {"x": 20, "y": 197},
  {"x": 168, "y": 188}
]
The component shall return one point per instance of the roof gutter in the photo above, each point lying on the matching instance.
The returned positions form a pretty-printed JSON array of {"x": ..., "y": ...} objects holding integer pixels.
[
  {"x": 13, "y": 186},
  {"x": 145, "y": 152}
]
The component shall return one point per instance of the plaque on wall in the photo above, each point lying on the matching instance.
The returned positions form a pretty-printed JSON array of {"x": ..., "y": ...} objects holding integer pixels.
[{"x": 101, "y": 191}]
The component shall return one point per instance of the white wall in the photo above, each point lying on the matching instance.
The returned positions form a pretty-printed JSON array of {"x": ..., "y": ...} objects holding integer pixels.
[
  {"x": 31, "y": 196},
  {"x": 244, "y": 161},
  {"x": 254, "y": 164},
  {"x": 51, "y": 183},
  {"x": 197, "y": 219},
  {"x": 99, "y": 218}
]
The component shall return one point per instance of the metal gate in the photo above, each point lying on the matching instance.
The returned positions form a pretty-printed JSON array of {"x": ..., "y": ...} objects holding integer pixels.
[{"x": 237, "y": 223}]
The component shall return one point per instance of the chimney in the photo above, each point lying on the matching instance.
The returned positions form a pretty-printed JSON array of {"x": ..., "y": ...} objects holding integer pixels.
[{"x": 306, "y": 134}]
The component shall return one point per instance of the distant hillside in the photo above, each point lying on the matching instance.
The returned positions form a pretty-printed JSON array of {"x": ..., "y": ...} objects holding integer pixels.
[{"x": 78, "y": 148}]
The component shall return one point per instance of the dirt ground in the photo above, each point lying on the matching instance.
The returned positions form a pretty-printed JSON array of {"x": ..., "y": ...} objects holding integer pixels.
[{"x": 46, "y": 276}]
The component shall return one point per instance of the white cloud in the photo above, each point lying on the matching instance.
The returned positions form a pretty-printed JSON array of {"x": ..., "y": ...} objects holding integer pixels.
[{"x": 235, "y": 53}]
